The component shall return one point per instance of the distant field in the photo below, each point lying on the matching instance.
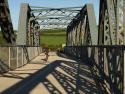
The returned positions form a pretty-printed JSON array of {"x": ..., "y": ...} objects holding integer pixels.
[
  {"x": 49, "y": 37},
  {"x": 53, "y": 37}
]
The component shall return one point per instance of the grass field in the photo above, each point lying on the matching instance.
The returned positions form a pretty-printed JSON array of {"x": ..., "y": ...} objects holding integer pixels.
[
  {"x": 47, "y": 37},
  {"x": 53, "y": 37}
]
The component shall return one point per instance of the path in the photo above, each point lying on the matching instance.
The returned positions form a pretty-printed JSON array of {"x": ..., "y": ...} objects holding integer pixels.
[{"x": 58, "y": 76}]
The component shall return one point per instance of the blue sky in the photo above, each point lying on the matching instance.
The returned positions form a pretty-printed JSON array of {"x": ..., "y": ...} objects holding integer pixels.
[{"x": 14, "y": 6}]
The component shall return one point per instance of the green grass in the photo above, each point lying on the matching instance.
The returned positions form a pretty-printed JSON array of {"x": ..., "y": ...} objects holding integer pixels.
[
  {"x": 53, "y": 37},
  {"x": 53, "y": 30},
  {"x": 52, "y": 40},
  {"x": 49, "y": 37}
]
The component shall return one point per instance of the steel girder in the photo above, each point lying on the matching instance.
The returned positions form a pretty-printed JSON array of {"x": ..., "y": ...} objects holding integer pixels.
[
  {"x": 54, "y": 17},
  {"x": 106, "y": 64},
  {"x": 28, "y": 28},
  {"x": 83, "y": 28},
  {"x": 32, "y": 18},
  {"x": 6, "y": 23},
  {"x": 53, "y": 22},
  {"x": 111, "y": 22}
]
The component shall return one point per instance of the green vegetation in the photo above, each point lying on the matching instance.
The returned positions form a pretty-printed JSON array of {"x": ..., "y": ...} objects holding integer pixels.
[{"x": 53, "y": 38}]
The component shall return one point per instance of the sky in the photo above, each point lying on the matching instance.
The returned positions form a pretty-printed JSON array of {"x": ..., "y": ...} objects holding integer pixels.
[{"x": 14, "y": 6}]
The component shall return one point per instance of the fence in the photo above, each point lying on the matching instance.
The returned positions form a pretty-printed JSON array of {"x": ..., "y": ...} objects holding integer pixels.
[
  {"x": 106, "y": 64},
  {"x": 14, "y": 57}
]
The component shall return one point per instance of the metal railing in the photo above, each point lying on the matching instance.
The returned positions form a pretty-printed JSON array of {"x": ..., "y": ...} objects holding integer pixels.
[
  {"x": 106, "y": 63},
  {"x": 15, "y": 57}
]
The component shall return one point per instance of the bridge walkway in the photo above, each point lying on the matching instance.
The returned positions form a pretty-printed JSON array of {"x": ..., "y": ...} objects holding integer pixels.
[{"x": 60, "y": 75}]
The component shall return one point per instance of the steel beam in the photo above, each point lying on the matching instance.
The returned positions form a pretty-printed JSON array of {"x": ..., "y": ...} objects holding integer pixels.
[
  {"x": 85, "y": 22},
  {"x": 6, "y": 23},
  {"x": 23, "y": 25},
  {"x": 27, "y": 29},
  {"x": 54, "y": 14},
  {"x": 106, "y": 64},
  {"x": 92, "y": 24},
  {"x": 36, "y": 35},
  {"x": 111, "y": 22}
]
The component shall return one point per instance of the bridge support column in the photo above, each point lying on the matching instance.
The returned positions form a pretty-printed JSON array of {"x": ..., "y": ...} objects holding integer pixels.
[
  {"x": 124, "y": 75},
  {"x": 28, "y": 28},
  {"x": 23, "y": 25}
]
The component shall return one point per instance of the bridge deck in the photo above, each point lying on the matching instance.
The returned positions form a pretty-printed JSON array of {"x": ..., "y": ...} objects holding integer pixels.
[{"x": 58, "y": 76}]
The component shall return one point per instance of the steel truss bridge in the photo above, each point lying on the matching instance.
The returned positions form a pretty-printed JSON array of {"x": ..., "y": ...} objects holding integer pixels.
[{"x": 102, "y": 46}]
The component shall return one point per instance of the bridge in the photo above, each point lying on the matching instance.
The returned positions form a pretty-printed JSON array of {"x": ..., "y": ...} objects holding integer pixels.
[{"x": 92, "y": 60}]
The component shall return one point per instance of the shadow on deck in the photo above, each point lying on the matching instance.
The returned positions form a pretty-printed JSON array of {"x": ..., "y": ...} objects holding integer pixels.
[{"x": 73, "y": 77}]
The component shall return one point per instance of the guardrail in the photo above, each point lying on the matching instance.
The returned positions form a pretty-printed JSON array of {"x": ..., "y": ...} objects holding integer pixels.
[
  {"x": 106, "y": 63},
  {"x": 15, "y": 57}
]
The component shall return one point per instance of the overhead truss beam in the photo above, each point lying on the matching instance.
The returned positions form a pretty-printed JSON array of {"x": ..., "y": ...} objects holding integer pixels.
[{"x": 59, "y": 15}]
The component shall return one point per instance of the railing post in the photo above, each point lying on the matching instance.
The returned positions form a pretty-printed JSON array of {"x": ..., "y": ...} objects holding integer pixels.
[
  {"x": 9, "y": 58},
  {"x": 17, "y": 56},
  {"x": 124, "y": 75}
]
